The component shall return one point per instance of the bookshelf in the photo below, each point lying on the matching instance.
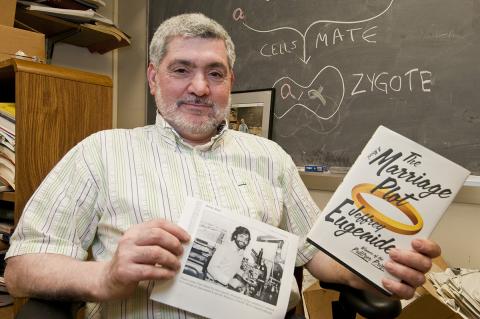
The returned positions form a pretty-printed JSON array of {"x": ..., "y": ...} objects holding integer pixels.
[
  {"x": 56, "y": 107},
  {"x": 96, "y": 37}
]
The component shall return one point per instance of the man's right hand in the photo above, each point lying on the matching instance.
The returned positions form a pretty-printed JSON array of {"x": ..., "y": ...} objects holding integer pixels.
[{"x": 147, "y": 251}]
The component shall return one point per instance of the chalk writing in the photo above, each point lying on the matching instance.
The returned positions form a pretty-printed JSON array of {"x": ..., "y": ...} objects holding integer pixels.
[{"x": 338, "y": 35}]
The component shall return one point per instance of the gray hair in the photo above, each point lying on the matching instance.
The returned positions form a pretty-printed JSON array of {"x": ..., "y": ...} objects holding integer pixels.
[{"x": 194, "y": 25}]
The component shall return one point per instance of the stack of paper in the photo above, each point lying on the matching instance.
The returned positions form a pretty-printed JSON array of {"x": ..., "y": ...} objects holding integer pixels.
[
  {"x": 460, "y": 290},
  {"x": 7, "y": 146},
  {"x": 75, "y": 15}
]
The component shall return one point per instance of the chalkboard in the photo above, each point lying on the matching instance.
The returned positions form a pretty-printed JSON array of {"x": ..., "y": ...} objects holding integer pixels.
[{"x": 341, "y": 68}]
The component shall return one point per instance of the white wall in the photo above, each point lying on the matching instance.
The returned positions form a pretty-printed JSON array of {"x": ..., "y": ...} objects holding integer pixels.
[
  {"x": 71, "y": 56},
  {"x": 80, "y": 58},
  {"x": 126, "y": 66},
  {"x": 132, "y": 64}
]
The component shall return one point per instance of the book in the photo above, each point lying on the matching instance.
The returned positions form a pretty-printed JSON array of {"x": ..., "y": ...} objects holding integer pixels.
[
  {"x": 8, "y": 110},
  {"x": 7, "y": 172},
  {"x": 7, "y": 117},
  {"x": 7, "y": 152},
  {"x": 248, "y": 278},
  {"x": 7, "y": 124},
  {"x": 7, "y": 139},
  {"x": 395, "y": 191}
]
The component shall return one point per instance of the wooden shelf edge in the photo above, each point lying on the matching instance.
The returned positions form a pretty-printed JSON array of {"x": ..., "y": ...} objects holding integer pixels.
[{"x": 57, "y": 72}]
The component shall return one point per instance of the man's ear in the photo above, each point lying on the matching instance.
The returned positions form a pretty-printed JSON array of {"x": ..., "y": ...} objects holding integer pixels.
[{"x": 152, "y": 78}]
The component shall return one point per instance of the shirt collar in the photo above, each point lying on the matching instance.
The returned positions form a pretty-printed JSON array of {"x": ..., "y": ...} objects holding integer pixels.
[{"x": 171, "y": 134}]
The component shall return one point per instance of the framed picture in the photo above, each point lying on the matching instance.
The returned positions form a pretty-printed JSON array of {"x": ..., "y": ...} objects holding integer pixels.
[{"x": 252, "y": 111}]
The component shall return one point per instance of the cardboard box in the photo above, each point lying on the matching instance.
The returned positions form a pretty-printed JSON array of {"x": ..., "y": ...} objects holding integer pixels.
[
  {"x": 7, "y": 12},
  {"x": 428, "y": 305},
  {"x": 13, "y": 40},
  {"x": 318, "y": 302},
  {"x": 318, "y": 305}
]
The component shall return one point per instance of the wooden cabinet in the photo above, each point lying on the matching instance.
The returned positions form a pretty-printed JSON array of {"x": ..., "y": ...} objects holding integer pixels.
[{"x": 56, "y": 108}]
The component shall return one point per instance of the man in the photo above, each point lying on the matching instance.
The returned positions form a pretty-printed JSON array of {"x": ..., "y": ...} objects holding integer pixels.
[
  {"x": 227, "y": 259},
  {"x": 243, "y": 127},
  {"x": 119, "y": 193}
]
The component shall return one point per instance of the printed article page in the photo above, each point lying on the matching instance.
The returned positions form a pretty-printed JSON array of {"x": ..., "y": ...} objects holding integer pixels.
[{"x": 240, "y": 265}]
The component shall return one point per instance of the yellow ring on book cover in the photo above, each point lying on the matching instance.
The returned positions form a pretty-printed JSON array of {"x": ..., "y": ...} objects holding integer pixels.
[{"x": 389, "y": 223}]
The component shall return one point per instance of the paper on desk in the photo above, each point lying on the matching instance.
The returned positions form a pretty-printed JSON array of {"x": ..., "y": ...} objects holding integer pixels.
[{"x": 460, "y": 289}]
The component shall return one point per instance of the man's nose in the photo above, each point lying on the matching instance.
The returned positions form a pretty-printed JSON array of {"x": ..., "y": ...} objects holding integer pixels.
[{"x": 199, "y": 85}]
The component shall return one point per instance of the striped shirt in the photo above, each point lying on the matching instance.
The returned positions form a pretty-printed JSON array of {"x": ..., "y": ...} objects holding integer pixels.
[{"x": 118, "y": 178}]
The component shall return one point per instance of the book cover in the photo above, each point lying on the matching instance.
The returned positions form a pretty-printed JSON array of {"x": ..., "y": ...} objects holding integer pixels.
[
  {"x": 8, "y": 110},
  {"x": 239, "y": 263},
  {"x": 395, "y": 191}
]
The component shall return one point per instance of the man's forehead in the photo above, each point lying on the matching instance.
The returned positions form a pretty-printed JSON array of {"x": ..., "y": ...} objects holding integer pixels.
[{"x": 186, "y": 48}]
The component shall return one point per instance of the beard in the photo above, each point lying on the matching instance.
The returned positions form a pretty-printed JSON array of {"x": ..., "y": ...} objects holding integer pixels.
[{"x": 182, "y": 123}]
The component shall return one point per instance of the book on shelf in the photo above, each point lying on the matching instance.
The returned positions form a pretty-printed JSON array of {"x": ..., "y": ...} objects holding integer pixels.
[
  {"x": 395, "y": 191},
  {"x": 5, "y": 188},
  {"x": 7, "y": 139},
  {"x": 7, "y": 124},
  {"x": 7, "y": 109},
  {"x": 7, "y": 152},
  {"x": 7, "y": 172},
  {"x": 7, "y": 119}
]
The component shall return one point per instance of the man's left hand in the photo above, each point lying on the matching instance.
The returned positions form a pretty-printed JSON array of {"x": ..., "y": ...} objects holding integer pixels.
[{"x": 410, "y": 266}]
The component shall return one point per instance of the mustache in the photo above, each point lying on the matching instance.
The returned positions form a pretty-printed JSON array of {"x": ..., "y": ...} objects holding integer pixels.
[{"x": 195, "y": 100}]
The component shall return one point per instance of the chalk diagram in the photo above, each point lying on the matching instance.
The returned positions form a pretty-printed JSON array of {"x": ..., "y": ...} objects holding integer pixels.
[{"x": 321, "y": 98}]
